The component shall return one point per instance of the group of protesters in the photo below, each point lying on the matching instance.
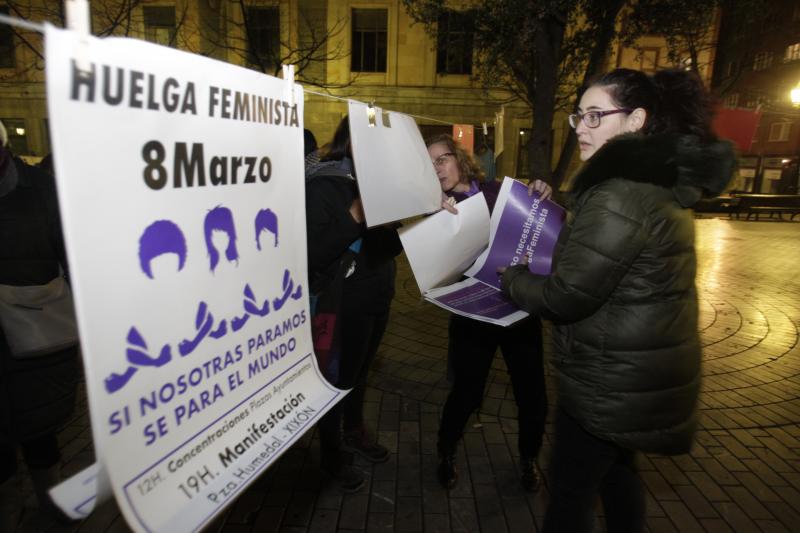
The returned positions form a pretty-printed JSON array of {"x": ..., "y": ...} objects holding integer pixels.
[{"x": 620, "y": 296}]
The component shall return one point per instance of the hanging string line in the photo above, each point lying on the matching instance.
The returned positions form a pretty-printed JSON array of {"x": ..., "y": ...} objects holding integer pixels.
[
  {"x": 33, "y": 26},
  {"x": 421, "y": 117}
]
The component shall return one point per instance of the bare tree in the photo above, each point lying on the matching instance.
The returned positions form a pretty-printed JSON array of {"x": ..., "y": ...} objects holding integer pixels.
[
  {"x": 545, "y": 51},
  {"x": 251, "y": 35},
  {"x": 541, "y": 52}
]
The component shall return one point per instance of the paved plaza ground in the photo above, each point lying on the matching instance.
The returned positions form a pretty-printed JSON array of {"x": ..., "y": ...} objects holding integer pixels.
[{"x": 743, "y": 474}]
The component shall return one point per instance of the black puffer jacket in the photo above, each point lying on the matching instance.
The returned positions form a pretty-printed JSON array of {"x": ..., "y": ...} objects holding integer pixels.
[
  {"x": 330, "y": 190},
  {"x": 622, "y": 291}
]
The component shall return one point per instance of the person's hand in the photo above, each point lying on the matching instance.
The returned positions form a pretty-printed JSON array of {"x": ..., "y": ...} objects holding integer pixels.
[
  {"x": 524, "y": 262},
  {"x": 357, "y": 210},
  {"x": 509, "y": 273},
  {"x": 449, "y": 204},
  {"x": 543, "y": 188}
]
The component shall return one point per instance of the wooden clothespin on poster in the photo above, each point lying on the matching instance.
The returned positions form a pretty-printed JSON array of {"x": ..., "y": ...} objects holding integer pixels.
[
  {"x": 288, "y": 78},
  {"x": 79, "y": 21},
  {"x": 371, "y": 114}
]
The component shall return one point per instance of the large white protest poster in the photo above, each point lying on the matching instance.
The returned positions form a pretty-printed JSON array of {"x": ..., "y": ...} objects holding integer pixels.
[
  {"x": 394, "y": 172},
  {"x": 181, "y": 187}
]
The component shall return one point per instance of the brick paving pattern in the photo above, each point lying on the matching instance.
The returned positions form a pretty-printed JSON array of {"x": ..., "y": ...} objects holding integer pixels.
[{"x": 742, "y": 475}]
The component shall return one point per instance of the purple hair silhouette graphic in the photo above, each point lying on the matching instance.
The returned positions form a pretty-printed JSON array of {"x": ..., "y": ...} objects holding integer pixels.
[
  {"x": 266, "y": 220},
  {"x": 159, "y": 238},
  {"x": 220, "y": 219}
]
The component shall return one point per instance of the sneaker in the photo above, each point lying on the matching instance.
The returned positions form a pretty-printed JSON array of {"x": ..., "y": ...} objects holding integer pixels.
[
  {"x": 357, "y": 441},
  {"x": 531, "y": 478},
  {"x": 348, "y": 478},
  {"x": 447, "y": 472}
]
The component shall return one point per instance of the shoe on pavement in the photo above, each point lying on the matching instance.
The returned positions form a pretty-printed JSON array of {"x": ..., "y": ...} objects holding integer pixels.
[
  {"x": 358, "y": 441},
  {"x": 447, "y": 472},
  {"x": 531, "y": 477},
  {"x": 348, "y": 478}
]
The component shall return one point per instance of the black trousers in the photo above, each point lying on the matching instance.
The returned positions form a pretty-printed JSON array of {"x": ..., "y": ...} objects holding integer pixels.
[
  {"x": 41, "y": 452},
  {"x": 471, "y": 349},
  {"x": 361, "y": 335},
  {"x": 583, "y": 466}
]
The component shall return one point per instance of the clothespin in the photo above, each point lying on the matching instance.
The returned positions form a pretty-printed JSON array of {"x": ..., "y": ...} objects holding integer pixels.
[
  {"x": 485, "y": 129},
  {"x": 371, "y": 114},
  {"x": 79, "y": 21},
  {"x": 288, "y": 78}
]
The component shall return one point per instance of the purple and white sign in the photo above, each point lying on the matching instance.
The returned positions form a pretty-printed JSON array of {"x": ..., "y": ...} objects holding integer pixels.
[
  {"x": 474, "y": 299},
  {"x": 526, "y": 226},
  {"x": 521, "y": 225},
  {"x": 186, "y": 240}
]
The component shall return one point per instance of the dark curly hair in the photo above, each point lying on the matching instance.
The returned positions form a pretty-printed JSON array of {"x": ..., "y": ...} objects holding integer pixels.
[
  {"x": 339, "y": 147},
  {"x": 675, "y": 100},
  {"x": 468, "y": 168}
]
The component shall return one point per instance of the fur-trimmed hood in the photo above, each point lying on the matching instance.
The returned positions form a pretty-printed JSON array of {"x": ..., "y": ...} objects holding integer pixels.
[{"x": 678, "y": 162}]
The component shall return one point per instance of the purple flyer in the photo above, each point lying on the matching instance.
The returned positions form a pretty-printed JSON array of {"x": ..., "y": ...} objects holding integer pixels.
[
  {"x": 527, "y": 226},
  {"x": 479, "y": 299}
]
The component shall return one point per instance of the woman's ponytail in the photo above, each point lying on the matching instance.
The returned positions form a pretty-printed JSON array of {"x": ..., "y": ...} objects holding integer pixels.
[{"x": 685, "y": 104}]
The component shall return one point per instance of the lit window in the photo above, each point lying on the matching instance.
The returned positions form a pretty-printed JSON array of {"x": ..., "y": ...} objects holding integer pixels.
[
  {"x": 762, "y": 60},
  {"x": 17, "y": 135},
  {"x": 159, "y": 24},
  {"x": 792, "y": 52},
  {"x": 779, "y": 131},
  {"x": 368, "y": 52},
  {"x": 732, "y": 100}
]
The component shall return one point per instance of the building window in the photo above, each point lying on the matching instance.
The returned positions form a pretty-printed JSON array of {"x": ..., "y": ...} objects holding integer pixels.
[
  {"x": 792, "y": 52},
  {"x": 523, "y": 167},
  {"x": 263, "y": 36},
  {"x": 762, "y": 60},
  {"x": 159, "y": 24},
  {"x": 7, "y": 55},
  {"x": 779, "y": 131},
  {"x": 17, "y": 135},
  {"x": 454, "y": 43},
  {"x": 648, "y": 59},
  {"x": 732, "y": 100},
  {"x": 369, "y": 40}
]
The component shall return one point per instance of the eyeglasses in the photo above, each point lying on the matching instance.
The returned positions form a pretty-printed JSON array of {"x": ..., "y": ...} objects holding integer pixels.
[
  {"x": 592, "y": 118},
  {"x": 442, "y": 159}
]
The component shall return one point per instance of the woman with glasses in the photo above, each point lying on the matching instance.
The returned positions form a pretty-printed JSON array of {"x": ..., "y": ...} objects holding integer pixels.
[
  {"x": 472, "y": 344},
  {"x": 622, "y": 291}
]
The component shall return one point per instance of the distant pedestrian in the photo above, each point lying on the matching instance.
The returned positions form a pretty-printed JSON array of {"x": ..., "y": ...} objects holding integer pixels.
[{"x": 622, "y": 291}]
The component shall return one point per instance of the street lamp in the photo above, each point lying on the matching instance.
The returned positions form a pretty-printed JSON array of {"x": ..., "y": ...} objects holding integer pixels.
[{"x": 794, "y": 96}]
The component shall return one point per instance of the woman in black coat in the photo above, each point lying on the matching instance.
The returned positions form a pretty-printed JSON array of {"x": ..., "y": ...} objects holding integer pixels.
[
  {"x": 622, "y": 291},
  {"x": 37, "y": 395},
  {"x": 336, "y": 229}
]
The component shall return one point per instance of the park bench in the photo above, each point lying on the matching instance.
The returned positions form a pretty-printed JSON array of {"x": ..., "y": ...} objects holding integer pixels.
[
  {"x": 719, "y": 204},
  {"x": 772, "y": 204}
]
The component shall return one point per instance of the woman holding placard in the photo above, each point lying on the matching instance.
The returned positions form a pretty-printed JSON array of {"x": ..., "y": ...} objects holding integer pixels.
[
  {"x": 472, "y": 344},
  {"x": 622, "y": 291}
]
